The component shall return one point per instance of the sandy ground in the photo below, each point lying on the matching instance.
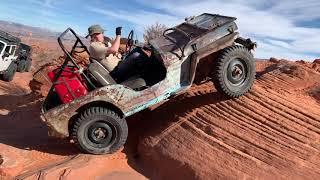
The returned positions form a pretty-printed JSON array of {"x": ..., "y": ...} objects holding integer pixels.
[
  {"x": 26, "y": 152},
  {"x": 272, "y": 132}
]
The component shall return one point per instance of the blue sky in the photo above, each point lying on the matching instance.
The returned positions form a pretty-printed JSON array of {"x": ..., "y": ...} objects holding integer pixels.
[{"x": 283, "y": 29}]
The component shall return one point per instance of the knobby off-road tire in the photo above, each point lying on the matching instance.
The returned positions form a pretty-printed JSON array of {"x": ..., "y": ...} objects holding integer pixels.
[
  {"x": 99, "y": 131},
  {"x": 22, "y": 66},
  {"x": 234, "y": 71},
  {"x": 11, "y": 71}
]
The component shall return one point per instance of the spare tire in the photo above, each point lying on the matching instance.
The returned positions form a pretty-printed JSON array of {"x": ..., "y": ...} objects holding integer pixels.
[
  {"x": 28, "y": 65},
  {"x": 234, "y": 71},
  {"x": 22, "y": 65}
]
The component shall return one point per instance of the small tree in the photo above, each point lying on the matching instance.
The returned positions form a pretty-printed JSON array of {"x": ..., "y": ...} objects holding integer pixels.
[{"x": 154, "y": 31}]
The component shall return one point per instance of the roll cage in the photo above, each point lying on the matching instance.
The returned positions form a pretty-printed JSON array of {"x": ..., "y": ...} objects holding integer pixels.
[{"x": 69, "y": 61}]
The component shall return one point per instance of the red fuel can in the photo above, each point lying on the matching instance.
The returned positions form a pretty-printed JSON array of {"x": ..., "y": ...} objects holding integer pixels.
[{"x": 70, "y": 85}]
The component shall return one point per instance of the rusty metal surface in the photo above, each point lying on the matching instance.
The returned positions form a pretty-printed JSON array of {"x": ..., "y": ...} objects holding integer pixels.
[
  {"x": 127, "y": 100},
  {"x": 180, "y": 76},
  {"x": 208, "y": 38},
  {"x": 210, "y": 21},
  {"x": 194, "y": 28}
]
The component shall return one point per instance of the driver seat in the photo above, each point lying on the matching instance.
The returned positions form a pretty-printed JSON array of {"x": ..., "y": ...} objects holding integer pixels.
[{"x": 102, "y": 75}]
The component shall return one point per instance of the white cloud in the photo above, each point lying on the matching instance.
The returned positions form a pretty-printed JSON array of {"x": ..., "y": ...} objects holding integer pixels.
[
  {"x": 140, "y": 18},
  {"x": 272, "y": 23},
  {"x": 48, "y": 3},
  {"x": 280, "y": 44},
  {"x": 266, "y": 50},
  {"x": 44, "y": 3},
  {"x": 298, "y": 9}
]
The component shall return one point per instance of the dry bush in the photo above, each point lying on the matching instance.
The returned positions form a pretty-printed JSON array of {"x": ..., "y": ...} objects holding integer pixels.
[{"x": 154, "y": 31}]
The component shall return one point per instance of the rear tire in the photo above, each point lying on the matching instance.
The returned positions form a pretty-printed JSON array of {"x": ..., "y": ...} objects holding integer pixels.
[
  {"x": 9, "y": 74},
  {"x": 22, "y": 66},
  {"x": 99, "y": 131},
  {"x": 234, "y": 71}
]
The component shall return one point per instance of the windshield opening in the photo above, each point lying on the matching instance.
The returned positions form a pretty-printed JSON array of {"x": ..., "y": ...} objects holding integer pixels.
[
  {"x": 13, "y": 49},
  {"x": 7, "y": 49},
  {"x": 1, "y": 46}
]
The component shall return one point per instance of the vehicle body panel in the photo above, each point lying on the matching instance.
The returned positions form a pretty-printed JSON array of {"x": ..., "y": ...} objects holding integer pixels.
[
  {"x": 2, "y": 46},
  {"x": 6, "y": 61},
  {"x": 13, "y": 53},
  {"x": 3, "y": 60}
]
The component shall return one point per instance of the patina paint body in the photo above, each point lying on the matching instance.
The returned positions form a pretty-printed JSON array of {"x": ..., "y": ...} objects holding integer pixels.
[{"x": 181, "y": 72}]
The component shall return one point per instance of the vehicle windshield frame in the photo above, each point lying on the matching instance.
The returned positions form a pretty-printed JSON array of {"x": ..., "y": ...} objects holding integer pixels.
[{"x": 2, "y": 46}]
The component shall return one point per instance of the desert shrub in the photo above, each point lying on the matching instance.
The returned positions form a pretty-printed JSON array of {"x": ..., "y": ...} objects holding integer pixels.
[{"x": 154, "y": 31}]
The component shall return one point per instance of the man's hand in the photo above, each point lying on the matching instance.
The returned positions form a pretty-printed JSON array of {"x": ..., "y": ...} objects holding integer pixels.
[
  {"x": 118, "y": 31},
  {"x": 80, "y": 71},
  {"x": 116, "y": 43}
]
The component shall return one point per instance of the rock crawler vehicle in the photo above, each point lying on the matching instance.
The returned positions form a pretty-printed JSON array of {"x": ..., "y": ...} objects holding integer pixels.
[
  {"x": 87, "y": 105},
  {"x": 14, "y": 56}
]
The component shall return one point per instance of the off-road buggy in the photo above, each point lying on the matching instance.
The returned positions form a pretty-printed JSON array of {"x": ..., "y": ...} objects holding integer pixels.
[
  {"x": 88, "y": 105},
  {"x": 14, "y": 56}
]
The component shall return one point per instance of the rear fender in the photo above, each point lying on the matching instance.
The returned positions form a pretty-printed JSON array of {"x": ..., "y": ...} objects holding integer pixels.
[
  {"x": 58, "y": 118},
  {"x": 210, "y": 49}
]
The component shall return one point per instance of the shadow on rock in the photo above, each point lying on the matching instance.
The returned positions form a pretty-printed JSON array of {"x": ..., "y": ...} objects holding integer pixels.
[
  {"x": 21, "y": 126},
  {"x": 315, "y": 93},
  {"x": 267, "y": 70},
  {"x": 156, "y": 122}
]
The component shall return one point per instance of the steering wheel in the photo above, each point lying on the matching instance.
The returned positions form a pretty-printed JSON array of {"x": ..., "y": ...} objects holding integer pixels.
[{"x": 130, "y": 41}]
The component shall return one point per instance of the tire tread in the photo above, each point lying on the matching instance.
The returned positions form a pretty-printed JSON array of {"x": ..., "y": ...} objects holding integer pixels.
[
  {"x": 94, "y": 111},
  {"x": 219, "y": 68}
]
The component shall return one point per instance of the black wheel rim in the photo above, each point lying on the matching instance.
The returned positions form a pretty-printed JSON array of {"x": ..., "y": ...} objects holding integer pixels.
[
  {"x": 237, "y": 72},
  {"x": 101, "y": 134}
]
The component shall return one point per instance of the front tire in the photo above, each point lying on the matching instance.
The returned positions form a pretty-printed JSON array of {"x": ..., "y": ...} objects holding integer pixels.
[
  {"x": 234, "y": 71},
  {"x": 11, "y": 71},
  {"x": 99, "y": 131}
]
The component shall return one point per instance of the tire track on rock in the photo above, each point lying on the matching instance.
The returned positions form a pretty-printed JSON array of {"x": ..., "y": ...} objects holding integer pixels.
[{"x": 263, "y": 134}]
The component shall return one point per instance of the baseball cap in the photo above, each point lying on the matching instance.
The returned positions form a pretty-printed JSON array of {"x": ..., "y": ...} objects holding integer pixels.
[{"x": 94, "y": 29}]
